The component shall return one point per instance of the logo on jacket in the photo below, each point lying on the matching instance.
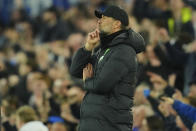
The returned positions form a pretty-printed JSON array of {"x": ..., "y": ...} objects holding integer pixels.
[{"x": 101, "y": 58}]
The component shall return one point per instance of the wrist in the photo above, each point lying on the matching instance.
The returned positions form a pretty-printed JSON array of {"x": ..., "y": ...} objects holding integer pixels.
[{"x": 87, "y": 47}]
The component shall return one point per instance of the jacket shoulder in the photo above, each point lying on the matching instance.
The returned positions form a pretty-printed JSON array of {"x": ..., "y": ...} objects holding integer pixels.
[{"x": 124, "y": 49}]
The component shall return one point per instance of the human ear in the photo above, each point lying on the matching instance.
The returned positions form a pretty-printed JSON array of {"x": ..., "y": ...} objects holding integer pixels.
[{"x": 117, "y": 24}]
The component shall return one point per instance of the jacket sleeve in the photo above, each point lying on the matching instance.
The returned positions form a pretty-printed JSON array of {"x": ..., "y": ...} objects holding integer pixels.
[
  {"x": 118, "y": 64},
  {"x": 79, "y": 61},
  {"x": 185, "y": 110}
]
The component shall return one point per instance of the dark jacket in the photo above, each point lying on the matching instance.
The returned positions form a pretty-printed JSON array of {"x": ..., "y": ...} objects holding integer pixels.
[
  {"x": 170, "y": 123},
  {"x": 109, "y": 98}
]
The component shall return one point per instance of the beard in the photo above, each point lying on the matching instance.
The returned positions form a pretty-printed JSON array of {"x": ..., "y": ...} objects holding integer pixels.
[{"x": 103, "y": 34}]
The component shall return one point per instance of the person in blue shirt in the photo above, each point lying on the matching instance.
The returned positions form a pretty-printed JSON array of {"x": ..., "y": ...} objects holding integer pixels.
[{"x": 182, "y": 109}]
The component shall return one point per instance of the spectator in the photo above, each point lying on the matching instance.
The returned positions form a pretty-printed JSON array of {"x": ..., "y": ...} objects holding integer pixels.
[
  {"x": 53, "y": 28},
  {"x": 182, "y": 109},
  {"x": 180, "y": 21},
  {"x": 26, "y": 120},
  {"x": 184, "y": 60}
]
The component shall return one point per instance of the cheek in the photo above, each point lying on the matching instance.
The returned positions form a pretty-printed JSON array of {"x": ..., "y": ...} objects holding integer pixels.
[
  {"x": 106, "y": 25},
  {"x": 157, "y": 87},
  {"x": 192, "y": 92}
]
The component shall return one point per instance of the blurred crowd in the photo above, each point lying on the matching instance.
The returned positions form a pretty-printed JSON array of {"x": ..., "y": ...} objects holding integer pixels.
[{"x": 39, "y": 37}]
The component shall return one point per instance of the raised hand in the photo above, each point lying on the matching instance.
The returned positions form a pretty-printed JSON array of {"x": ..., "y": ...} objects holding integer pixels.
[
  {"x": 87, "y": 71},
  {"x": 163, "y": 108},
  {"x": 163, "y": 35},
  {"x": 178, "y": 95},
  {"x": 157, "y": 78},
  {"x": 93, "y": 40},
  {"x": 168, "y": 100}
]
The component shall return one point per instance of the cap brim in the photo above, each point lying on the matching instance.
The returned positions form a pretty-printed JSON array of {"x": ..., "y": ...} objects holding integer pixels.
[{"x": 98, "y": 14}]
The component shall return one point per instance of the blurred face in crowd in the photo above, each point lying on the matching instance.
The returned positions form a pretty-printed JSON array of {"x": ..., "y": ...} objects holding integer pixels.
[
  {"x": 75, "y": 41},
  {"x": 58, "y": 127},
  {"x": 42, "y": 56},
  {"x": 30, "y": 79},
  {"x": 157, "y": 86},
  {"x": 150, "y": 52},
  {"x": 108, "y": 25},
  {"x": 13, "y": 80},
  {"x": 57, "y": 72},
  {"x": 49, "y": 16},
  {"x": 2, "y": 65},
  {"x": 3, "y": 87},
  {"x": 17, "y": 15},
  {"x": 11, "y": 34},
  {"x": 176, "y": 4},
  {"x": 25, "y": 114},
  {"x": 21, "y": 57},
  {"x": 75, "y": 95},
  {"x": 159, "y": 3},
  {"x": 192, "y": 92},
  {"x": 57, "y": 87},
  {"x": 39, "y": 87},
  {"x": 24, "y": 69},
  {"x": 60, "y": 87},
  {"x": 194, "y": 127}
]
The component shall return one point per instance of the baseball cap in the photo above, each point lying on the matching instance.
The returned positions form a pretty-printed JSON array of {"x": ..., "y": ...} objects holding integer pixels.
[{"x": 114, "y": 12}]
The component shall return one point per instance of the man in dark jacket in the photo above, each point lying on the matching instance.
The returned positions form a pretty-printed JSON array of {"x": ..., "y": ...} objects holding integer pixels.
[{"x": 108, "y": 65}]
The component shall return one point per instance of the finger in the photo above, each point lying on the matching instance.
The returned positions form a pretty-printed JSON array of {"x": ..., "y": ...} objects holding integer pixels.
[
  {"x": 93, "y": 35},
  {"x": 90, "y": 34},
  {"x": 97, "y": 32},
  {"x": 160, "y": 106},
  {"x": 164, "y": 98},
  {"x": 150, "y": 73},
  {"x": 91, "y": 69},
  {"x": 84, "y": 69},
  {"x": 88, "y": 66}
]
